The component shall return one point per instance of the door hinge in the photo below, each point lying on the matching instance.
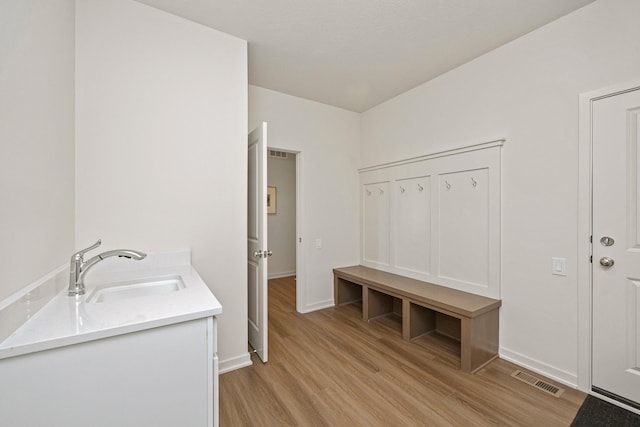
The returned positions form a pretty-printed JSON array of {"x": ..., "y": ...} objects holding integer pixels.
[
  {"x": 591, "y": 259},
  {"x": 591, "y": 239}
]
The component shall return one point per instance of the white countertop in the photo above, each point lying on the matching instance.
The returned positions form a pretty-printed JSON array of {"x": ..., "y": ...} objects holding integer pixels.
[{"x": 71, "y": 320}]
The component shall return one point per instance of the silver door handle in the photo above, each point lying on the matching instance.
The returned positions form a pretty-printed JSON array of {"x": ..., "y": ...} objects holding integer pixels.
[
  {"x": 262, "y": 254},
  {"x": 606, "y": 261}
]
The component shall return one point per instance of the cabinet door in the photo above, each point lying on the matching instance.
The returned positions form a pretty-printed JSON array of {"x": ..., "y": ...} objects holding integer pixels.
[
  {"x": 213, "y": 372},
  {"x": 156, "y": 377}
]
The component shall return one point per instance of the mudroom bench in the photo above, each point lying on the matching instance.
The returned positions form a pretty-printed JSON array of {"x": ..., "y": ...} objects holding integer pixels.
[{"x": 424, "y": 308}]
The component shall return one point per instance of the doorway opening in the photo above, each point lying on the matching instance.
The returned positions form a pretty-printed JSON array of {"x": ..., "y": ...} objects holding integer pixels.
[
  {"x": 274, "y": 238},
  {"x": 281, "y": 217}
]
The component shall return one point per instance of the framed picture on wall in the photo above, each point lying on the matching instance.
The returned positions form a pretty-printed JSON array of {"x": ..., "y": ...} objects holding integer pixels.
[{"x": 272, "y": 200}]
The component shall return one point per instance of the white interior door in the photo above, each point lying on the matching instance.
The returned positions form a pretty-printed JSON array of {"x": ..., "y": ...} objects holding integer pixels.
[
  {"x": 616, "y": 247},
  {"x": 257, "y": 252}
]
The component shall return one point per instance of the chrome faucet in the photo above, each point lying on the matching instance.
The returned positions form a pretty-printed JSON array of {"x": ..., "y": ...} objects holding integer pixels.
[{"x": 78, "y": 267}]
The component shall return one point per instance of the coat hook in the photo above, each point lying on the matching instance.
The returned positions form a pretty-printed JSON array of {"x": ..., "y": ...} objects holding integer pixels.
[
  {"x": 474, "y": 182},
  {"x": 401, "y": 189},
  {"x": 368, "y": 193},
  {"x": 380, "y": 190},
  {"x": 447, "y": 184},
  {"x": 420, "y": 187}
]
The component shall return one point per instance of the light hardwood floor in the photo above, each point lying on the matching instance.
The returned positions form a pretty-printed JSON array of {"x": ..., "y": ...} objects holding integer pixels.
[{"x": 330, "y": 368}]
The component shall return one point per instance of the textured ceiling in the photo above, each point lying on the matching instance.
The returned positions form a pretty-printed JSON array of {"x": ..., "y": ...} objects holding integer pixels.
[{"x": 356, "y": 54}]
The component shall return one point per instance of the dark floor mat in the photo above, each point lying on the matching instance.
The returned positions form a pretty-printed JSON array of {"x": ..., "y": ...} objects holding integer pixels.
[{"x": 595, "y": 413}]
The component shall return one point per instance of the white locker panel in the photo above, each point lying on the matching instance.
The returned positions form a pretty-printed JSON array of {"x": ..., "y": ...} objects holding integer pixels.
[
  {"x": 464, "y": 227},
  {"x": 375, "y": 229},
  {"x": 412, "y": 224},
  {"x": 436, "y": 218}
]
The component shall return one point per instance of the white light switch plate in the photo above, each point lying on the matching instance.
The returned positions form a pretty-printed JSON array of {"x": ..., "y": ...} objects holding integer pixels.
[{"x": 559, "y": 266}]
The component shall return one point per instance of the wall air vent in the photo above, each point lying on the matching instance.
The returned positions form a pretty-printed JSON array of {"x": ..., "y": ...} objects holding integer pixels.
[
  {"x": 538, "y": 383},
  {"x": 278, "y": 154}
]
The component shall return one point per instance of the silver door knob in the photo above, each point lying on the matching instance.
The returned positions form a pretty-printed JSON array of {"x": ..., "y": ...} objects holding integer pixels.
[
  {"x": 262, "y": 254},
  {"x": 606, "y": 261}
]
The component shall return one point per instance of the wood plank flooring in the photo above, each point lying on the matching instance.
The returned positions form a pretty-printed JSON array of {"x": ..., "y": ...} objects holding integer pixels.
[{"x": 330, "y": 368}]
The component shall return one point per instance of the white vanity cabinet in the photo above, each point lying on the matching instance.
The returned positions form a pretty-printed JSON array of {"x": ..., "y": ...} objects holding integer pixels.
[
  {"x": 164, "y": 376},
  {"x": 127, "y": 360}
]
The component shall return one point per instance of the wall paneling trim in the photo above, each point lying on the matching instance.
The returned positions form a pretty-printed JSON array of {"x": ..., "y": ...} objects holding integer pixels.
[{"x": 436, "y": 218}]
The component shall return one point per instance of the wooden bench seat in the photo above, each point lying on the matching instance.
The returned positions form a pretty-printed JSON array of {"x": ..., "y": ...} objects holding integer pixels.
[{"x": 425, "y": 308}]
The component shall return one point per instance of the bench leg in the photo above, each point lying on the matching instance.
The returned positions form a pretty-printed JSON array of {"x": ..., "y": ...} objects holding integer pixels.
[
  {"x": 365, "y": 303},
  {"x": 406, "y": 319},
  {"x": 478, "y": 341}
]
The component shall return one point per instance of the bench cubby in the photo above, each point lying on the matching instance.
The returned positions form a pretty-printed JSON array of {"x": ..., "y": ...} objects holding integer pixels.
[{"x": 424, "y": 308}]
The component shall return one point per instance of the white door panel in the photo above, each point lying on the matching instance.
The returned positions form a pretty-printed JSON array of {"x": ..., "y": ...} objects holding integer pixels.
[
  {"x": 616, "y": 260},
  {"x": 257, "y": 265}
]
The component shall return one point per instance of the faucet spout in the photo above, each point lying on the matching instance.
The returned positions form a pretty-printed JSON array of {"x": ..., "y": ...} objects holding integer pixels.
[
  {"x": 123, "y": 253},
  {"x": 79, "y": 267}
]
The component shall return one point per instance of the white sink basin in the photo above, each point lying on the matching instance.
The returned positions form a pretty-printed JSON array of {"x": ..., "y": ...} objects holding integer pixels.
[{"x": 136, "y": 289}]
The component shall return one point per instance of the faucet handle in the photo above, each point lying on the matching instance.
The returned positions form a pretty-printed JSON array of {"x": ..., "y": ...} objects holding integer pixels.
[{"x": 81, "y": 252}]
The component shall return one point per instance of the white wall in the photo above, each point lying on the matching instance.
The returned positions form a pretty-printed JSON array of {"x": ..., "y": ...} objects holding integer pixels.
[
  {"x": 36, "y": 139},
  {"x": 327, "y": 138},
  {"x": 281, "y": 232},
  {"x": 526, "y": 91},
  {"x": 161, "y": 146}
]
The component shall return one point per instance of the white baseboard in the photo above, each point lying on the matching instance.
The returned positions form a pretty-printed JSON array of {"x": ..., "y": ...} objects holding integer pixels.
[
  {"x": 281, "y": 274},
  {"x": 234, "y": 363},
  {"x": 567, "y": 378},
  {"x": 317, "y": 306}
]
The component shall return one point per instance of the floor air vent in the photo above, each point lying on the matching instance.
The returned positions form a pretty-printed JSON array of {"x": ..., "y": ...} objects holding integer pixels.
[{"x": 538, "y": 383}]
